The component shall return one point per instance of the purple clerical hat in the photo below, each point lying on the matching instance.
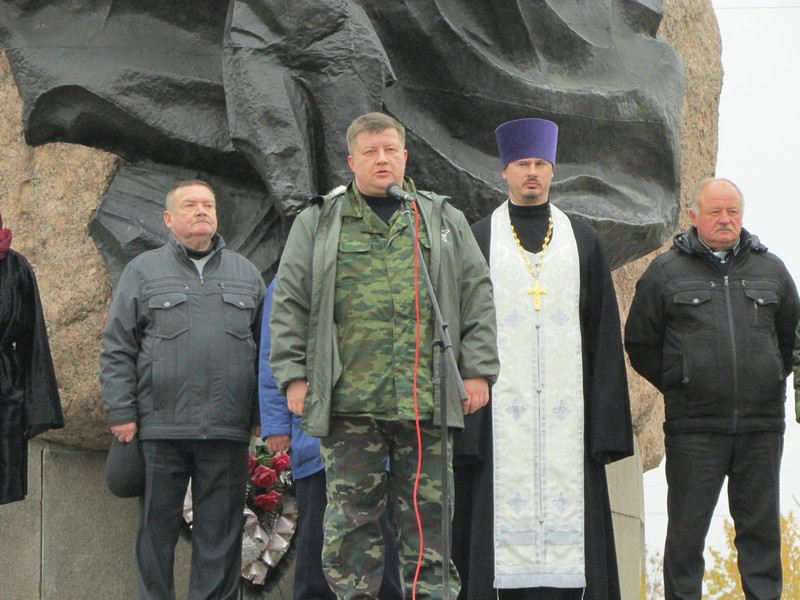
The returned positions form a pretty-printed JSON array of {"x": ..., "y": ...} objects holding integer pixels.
[{"x": 527, "y": 138}]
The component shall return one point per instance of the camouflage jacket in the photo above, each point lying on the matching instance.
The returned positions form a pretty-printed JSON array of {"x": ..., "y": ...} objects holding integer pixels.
[
  {"x": 375, "y": 313},
  {"x": 302, "y": 324}
]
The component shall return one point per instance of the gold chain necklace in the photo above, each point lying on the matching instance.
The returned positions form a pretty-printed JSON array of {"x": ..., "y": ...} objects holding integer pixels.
[{"x": 536, "y": 291}]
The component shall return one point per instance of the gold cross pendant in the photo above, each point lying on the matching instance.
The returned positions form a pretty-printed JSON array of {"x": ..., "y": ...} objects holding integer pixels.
[{"x": 537, "y": 292}]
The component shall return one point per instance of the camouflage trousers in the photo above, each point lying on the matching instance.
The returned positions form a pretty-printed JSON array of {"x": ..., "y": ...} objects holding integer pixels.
[{"x": 355, "y": 456}]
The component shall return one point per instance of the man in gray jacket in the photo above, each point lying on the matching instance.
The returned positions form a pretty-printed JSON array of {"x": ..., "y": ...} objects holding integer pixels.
[{"x": 178, "y": 370}]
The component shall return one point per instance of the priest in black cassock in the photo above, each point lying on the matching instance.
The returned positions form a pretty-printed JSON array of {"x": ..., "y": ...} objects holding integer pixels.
[
  {"x": 532, "y": 515},
  {"x": 29, "y": 400}
]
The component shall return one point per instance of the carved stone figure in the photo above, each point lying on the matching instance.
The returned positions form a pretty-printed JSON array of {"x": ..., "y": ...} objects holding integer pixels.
[{"x": 258, "y": 98}]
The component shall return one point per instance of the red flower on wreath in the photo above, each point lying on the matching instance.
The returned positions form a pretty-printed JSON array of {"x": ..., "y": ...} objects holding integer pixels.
[
  {"x": 252, "y": 463},
  {"x": 280, "y": 462},
  {"x": 267, "y": 501},
  {"x": 264, "y": 477},
  {"x": 270, "y": 516}
]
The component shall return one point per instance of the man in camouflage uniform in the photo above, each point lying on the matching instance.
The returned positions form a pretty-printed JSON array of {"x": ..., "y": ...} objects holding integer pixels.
[{"x": 344, "y": 330}]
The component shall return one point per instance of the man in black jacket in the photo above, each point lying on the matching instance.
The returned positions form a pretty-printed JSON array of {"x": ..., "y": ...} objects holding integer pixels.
[{"x": 712, "y": 327}]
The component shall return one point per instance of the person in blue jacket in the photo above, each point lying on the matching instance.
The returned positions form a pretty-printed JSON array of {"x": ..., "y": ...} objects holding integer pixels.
[{"x": 281, "y": 431}]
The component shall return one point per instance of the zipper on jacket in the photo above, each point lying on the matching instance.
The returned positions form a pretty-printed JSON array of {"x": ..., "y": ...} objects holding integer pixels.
[
  {"x": 733, "y": 351},
  {"x": 755, "y": 304},
  {"x": 204, "y": 296}
]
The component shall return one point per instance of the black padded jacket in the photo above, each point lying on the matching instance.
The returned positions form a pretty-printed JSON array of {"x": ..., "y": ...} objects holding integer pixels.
[{"x": 716, "y": 339}]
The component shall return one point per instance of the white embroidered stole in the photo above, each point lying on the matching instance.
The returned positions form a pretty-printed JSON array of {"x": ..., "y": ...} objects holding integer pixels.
[{"x": 537, "y": 408}]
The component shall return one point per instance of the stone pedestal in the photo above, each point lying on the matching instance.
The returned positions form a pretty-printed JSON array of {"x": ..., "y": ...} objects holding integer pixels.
[{"x": 71, "y": 539}]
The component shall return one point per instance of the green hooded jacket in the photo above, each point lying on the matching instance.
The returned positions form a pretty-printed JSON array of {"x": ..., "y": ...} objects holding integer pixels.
[{"x": 302, "y": 327}]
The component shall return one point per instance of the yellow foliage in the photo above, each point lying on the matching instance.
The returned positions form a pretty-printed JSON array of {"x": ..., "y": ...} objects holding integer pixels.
[
  {"x": 653, "y": 580},
  {"x": 722, "y": 578},
  {"x": 790, "y": 555}
]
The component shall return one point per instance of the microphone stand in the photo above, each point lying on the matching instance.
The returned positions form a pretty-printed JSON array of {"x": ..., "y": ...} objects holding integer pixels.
[{"x": 446, "y": 359}]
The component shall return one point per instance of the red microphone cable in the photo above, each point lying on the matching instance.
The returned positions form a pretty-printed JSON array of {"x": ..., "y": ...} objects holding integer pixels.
[{"x": 416, "y": 402}]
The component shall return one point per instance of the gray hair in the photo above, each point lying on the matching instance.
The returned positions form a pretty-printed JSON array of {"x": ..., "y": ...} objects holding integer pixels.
[{"x": 698, "y": 190}]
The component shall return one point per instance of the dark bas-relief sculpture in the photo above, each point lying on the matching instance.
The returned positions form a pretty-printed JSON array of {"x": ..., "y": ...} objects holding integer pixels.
[{"x": 256, "y": 95}]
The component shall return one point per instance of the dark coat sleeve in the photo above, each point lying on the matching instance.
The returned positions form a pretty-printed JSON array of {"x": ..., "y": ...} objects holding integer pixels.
[
  {"x": 786, "y": 321},
  {"x": 608, "y": 409},
  {"x": 644, "y": 329},
  {"x": 42, "y": 400},
  {"x": 469, "y": 444},
  {"x": 796, "y": 368}
]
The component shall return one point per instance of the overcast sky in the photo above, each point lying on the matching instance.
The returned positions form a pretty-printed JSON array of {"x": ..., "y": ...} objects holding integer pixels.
[{"x": 758, "y": 132}]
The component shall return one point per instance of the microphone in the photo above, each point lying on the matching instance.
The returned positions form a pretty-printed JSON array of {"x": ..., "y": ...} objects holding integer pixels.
[{"x": 393, "y": 190}]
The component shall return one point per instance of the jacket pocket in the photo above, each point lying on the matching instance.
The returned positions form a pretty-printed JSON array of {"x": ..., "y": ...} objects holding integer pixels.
[
  {"x": 689, "y": 312},
  {"x": 764, "y": 305},
  {"x": 170, "y": 316},
  {"x": 240, "y": 356},
  {"x": 693, "y": 308},
  {"x": 238, "y": 314},
  {"x": 354, "y": 264},
  {"x": 690, "y": 353},
  {"x": 764, "y": 379}
]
